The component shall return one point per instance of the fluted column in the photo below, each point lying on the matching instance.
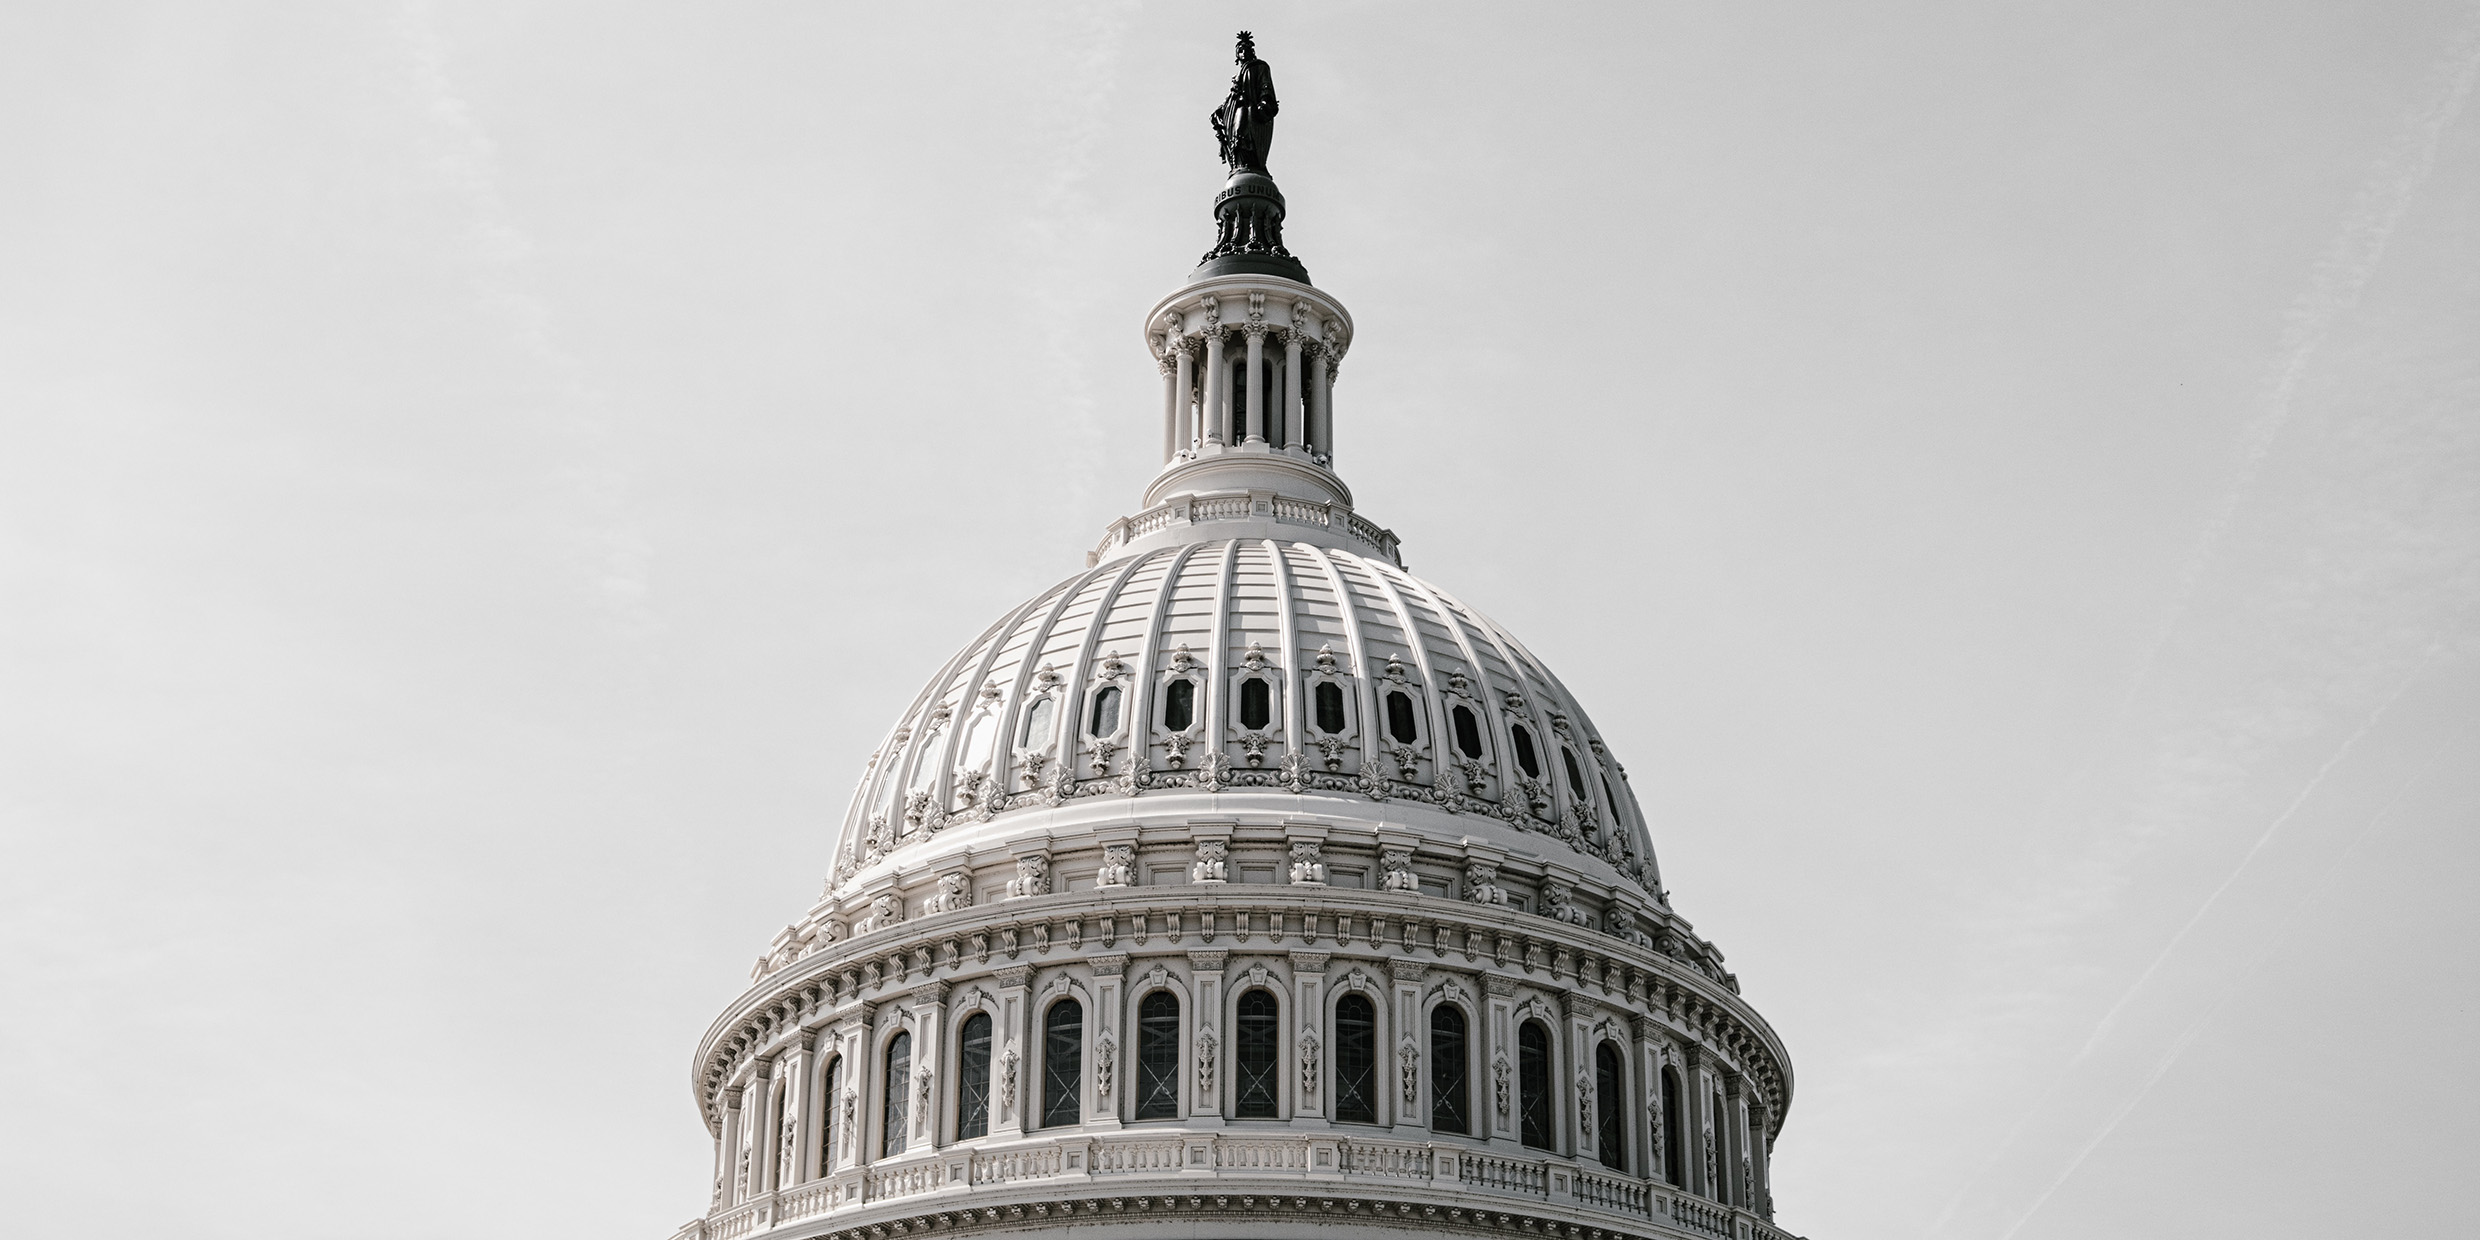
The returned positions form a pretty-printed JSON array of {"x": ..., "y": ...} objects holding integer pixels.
[
  {"x": 1576, "y": 1091},
  {"x": 929, "y": 1061},
  {"x": 1257, "y": 383},
  {"x": 1185, "y": 387},
  {"x": 1171, "y": 406},
  {"x": 765, "y": 1151},
  {"x": 728, "y": 1151},
  {"x": 1294, "y": 434},
  {"x": 1322, "y": 393},
  {"x": 1649, "y": 1129},
  {"x": 804, "y": 1112},
  {"x": 1501, "y": 1058},
  {"x": 1011, "y": 1067},
  {"x": 735, "y": 1136},
  {"x": 1217, "y": 414}
]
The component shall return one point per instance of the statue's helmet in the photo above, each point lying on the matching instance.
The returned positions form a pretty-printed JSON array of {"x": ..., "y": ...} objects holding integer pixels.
[{"x": 1247, "y": 48}]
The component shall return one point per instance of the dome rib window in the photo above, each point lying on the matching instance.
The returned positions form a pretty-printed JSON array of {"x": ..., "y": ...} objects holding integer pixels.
[
  {"x": 1258, "y": 1035},
  {"x": 1038, "y": 722},
  {"x": 1399, "y": 720},
  {"x": 1356, "y": 1061},
  {"x": 1525, "y": 756},
  {"x": 1610, "y": 1136},
  {"x": 1329, "y": 707},
  {"x": 1106, "y": 710},
  {"x": 1256, "y": 704},
  {"x": 973, "y": 1077},
  {"x": 1449, "y": 1109},
  {"x": 1179, "y": 705},
  {"x": 1467, "y": 732},
  {"x": 1063, "y": 1057},
  {"x": 1533, "y": 1084},
  {"x": 1158, "y": 1056},
  {"x": 894, "y": 1119},
  {"x": 1575, "y": 774}
]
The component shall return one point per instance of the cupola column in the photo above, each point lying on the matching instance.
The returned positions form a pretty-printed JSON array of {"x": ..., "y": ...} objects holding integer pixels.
[
  {"x": 1294, "y": 438},
  {"x": 1184, "y": 388},
  {"x": 1171, "y": 406},
  {"x": 1218, "y": 379},
  {"x": 1257, "y": 382},
  {"x": 802, "y": 1116},
  {"x": 1323, "y": 394}
]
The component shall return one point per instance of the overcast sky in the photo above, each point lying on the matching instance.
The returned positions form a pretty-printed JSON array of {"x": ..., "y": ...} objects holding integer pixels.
[{"x": 476, "y": 479}]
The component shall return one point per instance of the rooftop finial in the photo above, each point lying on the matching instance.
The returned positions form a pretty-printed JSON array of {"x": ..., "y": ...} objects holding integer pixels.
[{"x": 1249, "y": 212}]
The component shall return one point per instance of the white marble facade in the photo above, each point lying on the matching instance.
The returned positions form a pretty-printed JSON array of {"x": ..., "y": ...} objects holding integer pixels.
[{"x": 1242, "y": 882}]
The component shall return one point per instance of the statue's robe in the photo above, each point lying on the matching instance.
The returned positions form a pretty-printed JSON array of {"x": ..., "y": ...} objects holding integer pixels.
[{"x": 1245, "y": 122}]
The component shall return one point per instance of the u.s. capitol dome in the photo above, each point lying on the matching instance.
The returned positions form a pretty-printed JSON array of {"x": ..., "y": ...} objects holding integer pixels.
[{"x": 1241, "y": 883}]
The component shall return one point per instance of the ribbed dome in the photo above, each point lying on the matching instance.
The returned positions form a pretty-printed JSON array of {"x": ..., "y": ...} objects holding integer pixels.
[{"x": 1253, "y": 676}]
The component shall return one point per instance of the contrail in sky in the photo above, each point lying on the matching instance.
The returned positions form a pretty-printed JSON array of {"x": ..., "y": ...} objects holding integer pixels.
[{"x": 2230, "y": 988}]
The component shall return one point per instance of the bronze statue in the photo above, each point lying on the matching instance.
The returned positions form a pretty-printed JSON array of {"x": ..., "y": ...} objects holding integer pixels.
[{"x": 1244, "y": 125}]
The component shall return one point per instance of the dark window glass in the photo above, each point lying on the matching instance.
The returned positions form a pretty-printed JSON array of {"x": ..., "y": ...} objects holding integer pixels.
[
  {"x": 1609, "y": 1133},
  {"x": 1448, "y": 1107},
  {"x": 827, "y": 1108},
  {"x": 1399, "y": 718},
  {"x": 1179, "y": 705},
  {"x": 1038, "y": 722},
  {"x": 894, "y": 1119},
  {"x": 1106, "y": 710},
  {"x": 1467, "y": 733},
  {"x": 1158, "y": 1056},
  {"x": 1673, "y": 1169},
  {"x": 1611, "y": 798},
  {"x": 1330, "y": 708},
  {"x": 1525, "y": 757},
  {"x": 1533, "y": 1083},
  {"x": 1575, "y": 774},
  {"x": 973, "y": 1077},
  {"x": 1255, "y": 708},
  {"x": 1063, "y": 1058},
  {"x": 1356, "y": 1061},
  {"x": 1257, "y": 1058}
]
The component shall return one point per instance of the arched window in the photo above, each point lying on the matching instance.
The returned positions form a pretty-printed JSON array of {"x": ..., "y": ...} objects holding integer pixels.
[
  {"x": 1674, "y": 1131},
  {"x": 1525, "y": 757},
  {"x": 1448, "y": 1107},
  {"x": 1063, "y": 1061},
  {"x": 827, "y": 1108},
  {"x": 1575, "y": 774},
  {"x": 1158, "y": 1056},
  {"x": 1106, "y": 710},
  {"x": 1038, "y": 722},
  {"x": 1533, "y": 1084},
  {"x": 1329, "y": 707},
  {"x": 893, "y": 1117},
  {"x": 1256, "y": 1057},
  {"x": 1399, "y": 717},
  {"x": 1467, "y": 732},
  {"x": 1179, "y": 705},
  {"x": 973, "y": 1077},
  {"x": 1610, "y": 1136},
  {"x": 1256, "y": 705},
  {"x": 1356, "y": 1061}
]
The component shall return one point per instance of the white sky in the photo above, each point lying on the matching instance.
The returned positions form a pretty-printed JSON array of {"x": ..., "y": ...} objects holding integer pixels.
[{"x": 478, "y": 478}]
